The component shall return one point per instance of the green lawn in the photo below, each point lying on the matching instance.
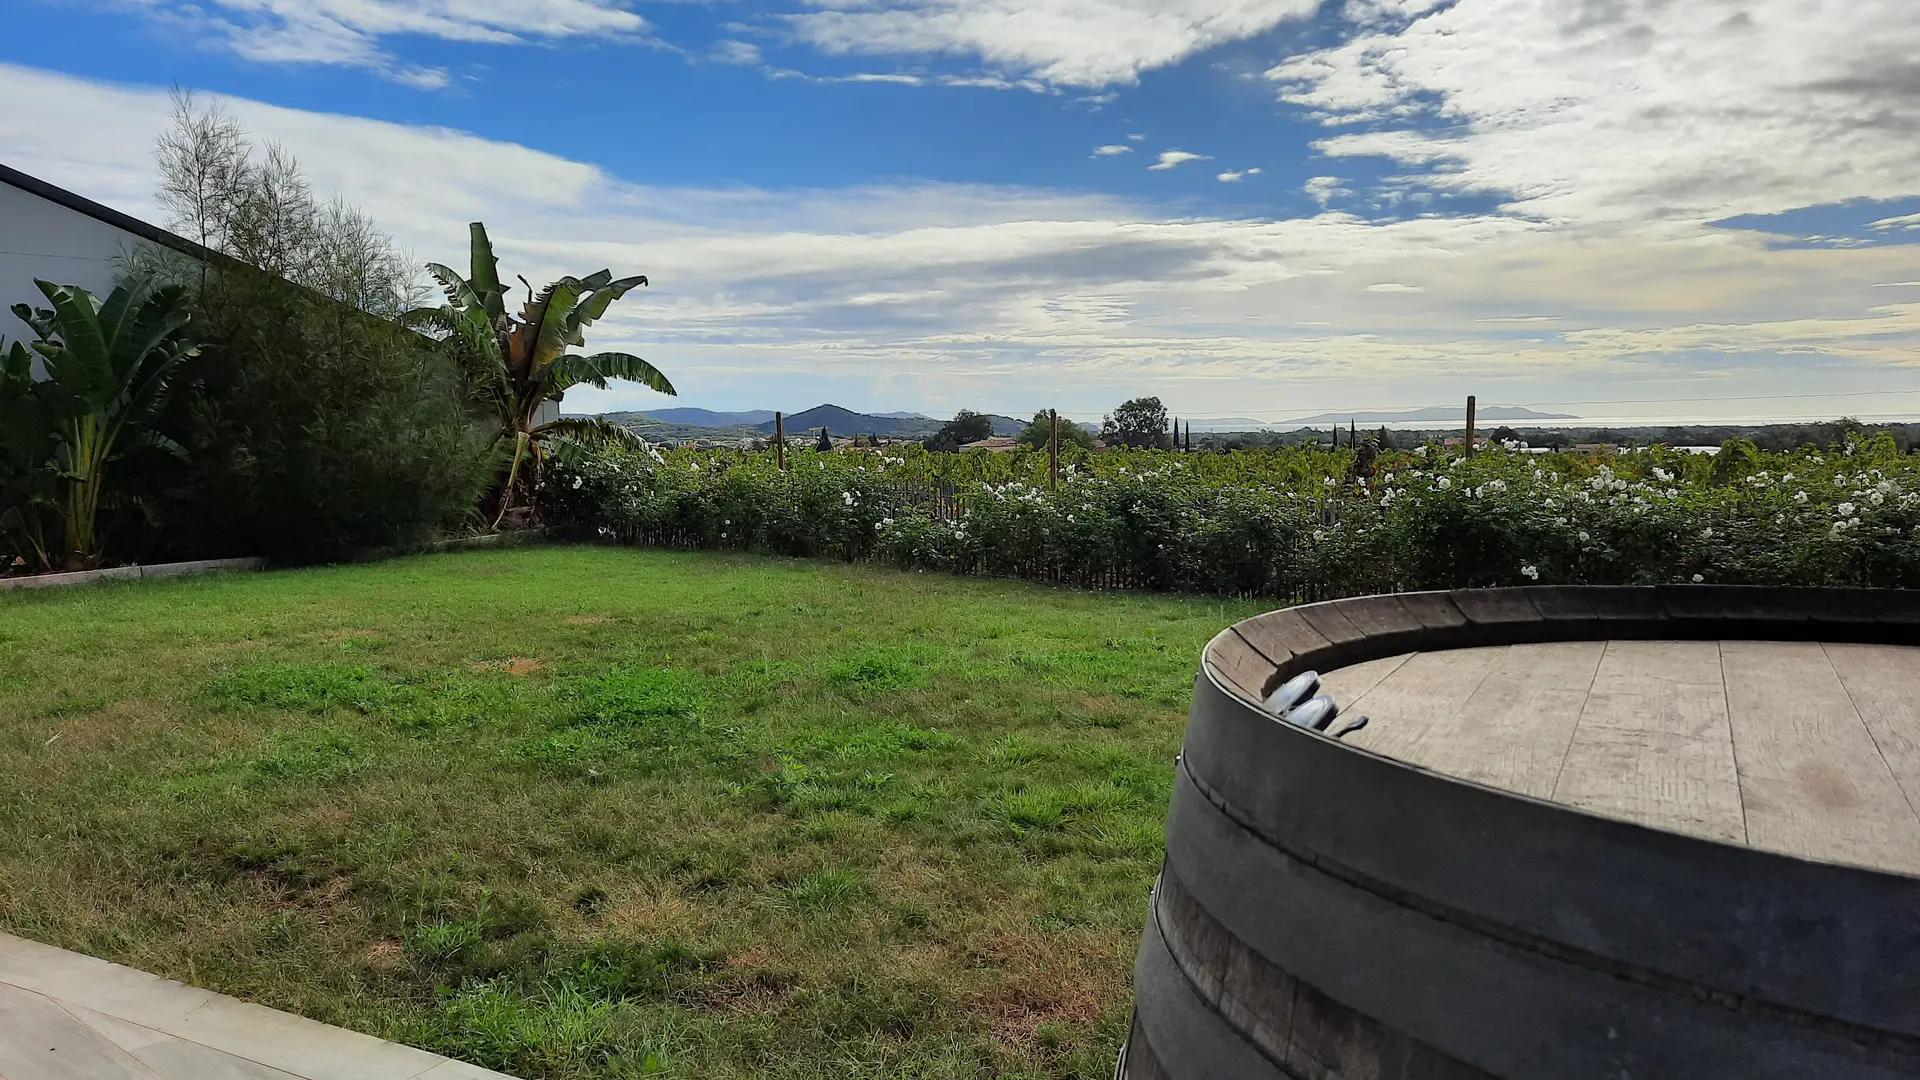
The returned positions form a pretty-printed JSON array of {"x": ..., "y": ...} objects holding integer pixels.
[{"x": 577, "y": 812}]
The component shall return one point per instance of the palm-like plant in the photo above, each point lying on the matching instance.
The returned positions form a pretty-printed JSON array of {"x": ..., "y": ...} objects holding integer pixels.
[
  {"x": 109, "y": 367},
  {"x": 524, "y": 358},
  {"x": 26, "y": 440}
]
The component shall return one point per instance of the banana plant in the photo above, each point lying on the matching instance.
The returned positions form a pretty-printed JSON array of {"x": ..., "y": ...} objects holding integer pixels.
[
  {"x": 525, "y": 363},
  {"x": 109, "y": 367},
  {"x": 26, "y": 442}
]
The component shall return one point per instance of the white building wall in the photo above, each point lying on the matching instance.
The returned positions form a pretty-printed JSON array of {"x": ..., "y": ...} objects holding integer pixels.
[{"x": 40, "y": 238}]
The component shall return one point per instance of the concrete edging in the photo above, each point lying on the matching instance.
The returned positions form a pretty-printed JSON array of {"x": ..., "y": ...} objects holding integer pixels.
[{"x": 131, "y": 573}]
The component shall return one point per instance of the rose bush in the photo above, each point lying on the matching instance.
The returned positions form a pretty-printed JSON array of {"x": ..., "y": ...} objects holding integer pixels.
[{"x": 1288, "y": 524}]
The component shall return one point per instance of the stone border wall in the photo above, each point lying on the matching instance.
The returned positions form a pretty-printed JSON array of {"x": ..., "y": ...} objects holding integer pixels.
[{"x": 131, "y": 573}]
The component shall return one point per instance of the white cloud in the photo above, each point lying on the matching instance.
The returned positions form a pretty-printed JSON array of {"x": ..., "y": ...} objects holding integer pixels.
[
  {"x": 1324, "y": 189},
  {"x": 1633, "y": 112},
  {"x": 1113, "y": 148},
  {"x": 1172, "y": 158},
  {"x": 1085, "y": 43},
  {"x": 1136, "y": 138},
  {"x": 939, "y": 295},
  {"x": 1807, "y": 336},
  {"x": 1235, "y": 177},
  {"x": 736, "y": 52},
  {"x": 1904, "y": 221},
  {"x": 351, "y": 32},
  {"x": 1896, "y": 284},
  {"x": 903, "y": 78},
  {"x": 1393, "y": 286}
]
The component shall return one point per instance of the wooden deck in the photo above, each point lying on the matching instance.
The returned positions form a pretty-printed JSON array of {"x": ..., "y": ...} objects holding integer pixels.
[{"x": 1798, "y": 747}]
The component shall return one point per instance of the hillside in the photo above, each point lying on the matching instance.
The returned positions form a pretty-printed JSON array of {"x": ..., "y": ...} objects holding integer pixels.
[
  {"x": 709, "y": 418},
  {"x": 1454, "y": 413},
  {"x": 652, "y": 427},
  {"x": 841, "y": 421},
  {"x": 680, "y": 424}
]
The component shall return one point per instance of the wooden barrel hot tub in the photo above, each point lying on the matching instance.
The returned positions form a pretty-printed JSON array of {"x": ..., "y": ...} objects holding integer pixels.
[{"x": 1605, "y": 833}]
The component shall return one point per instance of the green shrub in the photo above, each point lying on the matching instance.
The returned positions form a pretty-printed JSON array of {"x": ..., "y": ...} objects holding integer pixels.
[
  {"x": 1283, "y": 524},
  {"x": 314, "y": 423}
]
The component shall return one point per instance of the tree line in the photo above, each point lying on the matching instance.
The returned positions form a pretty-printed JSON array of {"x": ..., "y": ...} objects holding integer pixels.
[{"x": 287, "y": 388}]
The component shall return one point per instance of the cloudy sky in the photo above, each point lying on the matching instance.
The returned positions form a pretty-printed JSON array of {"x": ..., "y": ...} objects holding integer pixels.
[{"x": 1267, "y": 208}]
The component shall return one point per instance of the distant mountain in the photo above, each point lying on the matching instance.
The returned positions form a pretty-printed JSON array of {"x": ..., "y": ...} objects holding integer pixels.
[
  {"x": 841, "y": 421},
  {"x": 709, "y": 418},
  {"x": 1438, "y": 413},
  {"x": 902, "y": 415},
  {"x": 847, "y": 422},
  {"x": 1222, "y": 423}
]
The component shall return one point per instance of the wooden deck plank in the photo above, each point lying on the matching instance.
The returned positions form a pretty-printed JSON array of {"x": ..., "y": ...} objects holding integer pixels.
[
  {"x": 1884, "y": 683},
  {"x": 1794, "y": 747},
  {"x": 1412, "y": 710},
  {"x": 1348, "y": 685},
  {"x": 1653, "y": 743},
  {"x": 1514, "y": 730},
  {"x": 1811, "y": 779}
]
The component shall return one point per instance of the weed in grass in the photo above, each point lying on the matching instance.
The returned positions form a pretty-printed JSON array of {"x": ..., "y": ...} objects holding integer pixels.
[
  {"x": 78, "y": 706},
  {"x": 637, "y": 697},
  {"x": 495, "y": 935},
  {"x": 575, "y": 750},
  {"x": 831, "y": 888},
  {"x": 873, "y": 671},
  {"x": 443, "y": 942},
  {"x": 880, "y": 741},
  {"x": 556, "y": 1030},
  {"x": 1044, "y": 808},
  {"x": 285, "y": 861},
  {"x": 619, "y": 971},
  {"x": 324, "y": 753},
  {"x": 310, "y": 688},
  {"x": 1018, "y": 749},
  {"x": 590, "y": 900},
  {"x": 445, "y": 700},
  {"x": 1130, "y": 839},
  {"x": 614, "y": 718}
]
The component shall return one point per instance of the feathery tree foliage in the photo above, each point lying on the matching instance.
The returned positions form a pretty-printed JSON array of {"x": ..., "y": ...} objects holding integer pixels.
[
  {"x": 317, "y": 423},
  {"x": 521, "y": 362}
]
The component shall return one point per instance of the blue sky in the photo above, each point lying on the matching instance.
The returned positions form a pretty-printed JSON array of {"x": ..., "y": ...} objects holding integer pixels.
[
  {"x": 904, "y": 203},
  {"x": 675, "y": 104}
]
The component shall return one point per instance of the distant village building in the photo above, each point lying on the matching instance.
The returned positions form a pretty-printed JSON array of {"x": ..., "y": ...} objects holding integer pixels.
[{"x": 997, "y": 444}]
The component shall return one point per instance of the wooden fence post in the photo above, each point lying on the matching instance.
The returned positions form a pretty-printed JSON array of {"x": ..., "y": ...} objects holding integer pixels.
[
  {"x": 1469, "y": 425},
  {"x": 1053, "y": 452},
  {"x": 780, "y": 441}
]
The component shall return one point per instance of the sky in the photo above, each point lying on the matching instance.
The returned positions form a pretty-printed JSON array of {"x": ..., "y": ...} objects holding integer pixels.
[{"x": 1623, "y": 209}]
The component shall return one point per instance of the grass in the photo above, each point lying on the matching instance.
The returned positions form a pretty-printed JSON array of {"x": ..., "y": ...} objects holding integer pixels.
[{"x": 573, "y": 812}]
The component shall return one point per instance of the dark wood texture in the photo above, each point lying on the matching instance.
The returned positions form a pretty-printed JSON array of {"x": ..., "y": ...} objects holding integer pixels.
[{"x": 1590, "y": 832}]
